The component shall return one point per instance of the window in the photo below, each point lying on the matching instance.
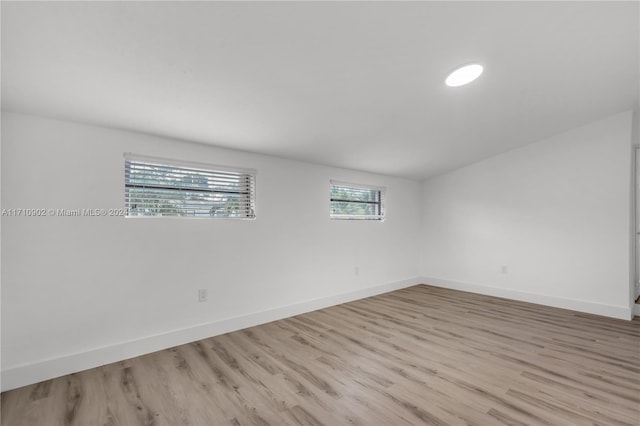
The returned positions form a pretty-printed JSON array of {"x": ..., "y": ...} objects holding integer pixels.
[
  {"x": 159, "y": 187},
  {"x": 350, "y": 201}
]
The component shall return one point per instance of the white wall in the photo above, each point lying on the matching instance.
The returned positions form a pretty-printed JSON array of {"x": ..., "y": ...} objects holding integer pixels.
[
  {"x": 556, "y": 213},
  {"x": 83, "y": 291}
]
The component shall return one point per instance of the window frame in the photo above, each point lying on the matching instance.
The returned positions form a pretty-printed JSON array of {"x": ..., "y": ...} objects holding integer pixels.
[
  {"x": 189, "y": 166},
  {"x": 381, "y": 208}
]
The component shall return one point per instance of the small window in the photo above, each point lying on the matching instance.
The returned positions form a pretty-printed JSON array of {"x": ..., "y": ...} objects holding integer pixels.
[
  {"x": 350, "y": 201},
  {"x": 159, "y": 187}
]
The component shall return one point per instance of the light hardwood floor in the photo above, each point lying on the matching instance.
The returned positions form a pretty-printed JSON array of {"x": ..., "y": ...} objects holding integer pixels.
[{"x": 422, "y": 355}]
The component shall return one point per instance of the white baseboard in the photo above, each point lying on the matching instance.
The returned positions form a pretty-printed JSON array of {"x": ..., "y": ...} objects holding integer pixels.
[
  {"x": 26, "y": 374},
  {"x": 621, "y": 312},
  {"x": 636, "y": 310}
]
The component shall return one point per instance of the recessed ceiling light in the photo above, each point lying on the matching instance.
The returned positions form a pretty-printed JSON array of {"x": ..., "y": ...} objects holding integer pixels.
[{"x": 464, "y": 75}]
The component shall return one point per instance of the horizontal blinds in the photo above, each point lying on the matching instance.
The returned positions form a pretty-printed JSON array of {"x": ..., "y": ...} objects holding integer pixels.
[
  {"x": 350, "y": 201},
  {"x": 356, "y": 185},
  {"x": 156, "y": 187}
]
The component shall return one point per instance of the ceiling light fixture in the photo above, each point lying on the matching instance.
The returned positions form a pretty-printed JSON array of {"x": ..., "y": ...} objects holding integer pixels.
[{"x": 464, "y": 75}]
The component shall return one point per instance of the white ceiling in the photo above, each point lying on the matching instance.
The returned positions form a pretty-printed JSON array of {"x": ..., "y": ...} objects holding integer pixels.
[{"x": 350, "y": 84}]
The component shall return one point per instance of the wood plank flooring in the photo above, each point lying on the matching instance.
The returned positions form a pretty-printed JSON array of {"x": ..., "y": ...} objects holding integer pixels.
[{"x": 422, "y": 355}]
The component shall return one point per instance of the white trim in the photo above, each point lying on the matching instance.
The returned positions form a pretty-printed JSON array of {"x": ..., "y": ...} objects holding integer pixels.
[
  {"x": 26, "y": 374},
  {"x": 635, "y": 215},
  {"x": 181, "y": 163},
  {"x": 636, "y": 310},
  {"x": 614, "y": 311}
]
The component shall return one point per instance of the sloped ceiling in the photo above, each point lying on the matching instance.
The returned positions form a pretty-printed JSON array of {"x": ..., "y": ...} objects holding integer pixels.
[{"x": 351, "y": 84}]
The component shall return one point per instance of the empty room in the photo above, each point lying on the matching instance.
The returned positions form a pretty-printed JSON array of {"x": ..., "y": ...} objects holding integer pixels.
[{"x": 320, "y": 213}]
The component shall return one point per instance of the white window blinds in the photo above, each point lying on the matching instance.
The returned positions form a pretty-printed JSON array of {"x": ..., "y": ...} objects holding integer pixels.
[
  {"x": 351, "y": 201},
  {"x": 160, "y": 187}
]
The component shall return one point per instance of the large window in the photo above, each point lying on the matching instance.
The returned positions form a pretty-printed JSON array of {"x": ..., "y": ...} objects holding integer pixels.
[
  {"x": 159, "y": 187},
  {"x": 351, "y": 201}
]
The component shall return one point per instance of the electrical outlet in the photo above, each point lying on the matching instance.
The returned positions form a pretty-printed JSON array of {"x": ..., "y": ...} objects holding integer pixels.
[
  {"x": 202, "y": 295},
  {"x": 504, "y": 269}
]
